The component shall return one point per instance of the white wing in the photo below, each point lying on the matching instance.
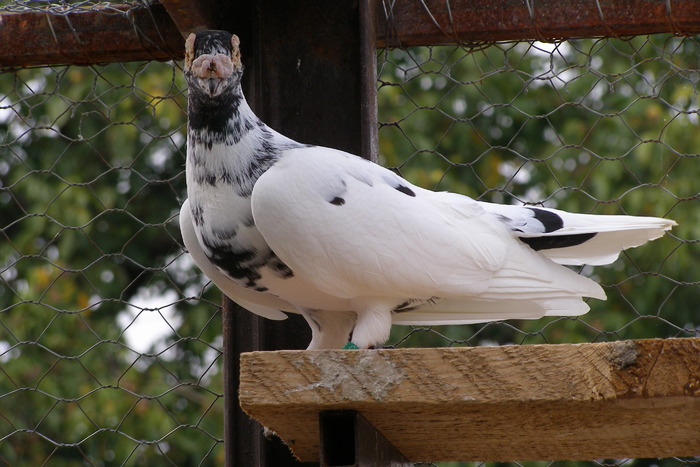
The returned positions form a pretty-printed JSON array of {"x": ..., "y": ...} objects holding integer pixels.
[
  {"x": 355, "y": 229},
  {"x": 261, "y": 304}
]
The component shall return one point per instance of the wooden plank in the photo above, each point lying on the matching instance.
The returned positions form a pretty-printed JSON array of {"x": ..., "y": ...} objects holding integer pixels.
[
  {"x": 84, "y": 36},
  {"x": 541, "y": 402},
  {"x": 433, "y": 22}
]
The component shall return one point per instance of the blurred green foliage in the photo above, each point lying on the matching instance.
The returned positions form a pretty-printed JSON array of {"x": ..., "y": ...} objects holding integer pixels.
[{"x": 91, "y": 179}]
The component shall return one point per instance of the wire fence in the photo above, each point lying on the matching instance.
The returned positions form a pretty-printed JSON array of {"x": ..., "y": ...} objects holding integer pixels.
[
  {"x": 110, "y": 339},
  {"x": 592, "y": 125}
]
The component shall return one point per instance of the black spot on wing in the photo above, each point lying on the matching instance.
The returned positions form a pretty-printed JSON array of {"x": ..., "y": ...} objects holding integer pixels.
[
  {"x": 279, "y": 266},
  {"x": 558, "y": 241},
  {"x": 551, "y": 222},
  {"x": 338, "y": 201},
  {"x": 405, "y": 190}
]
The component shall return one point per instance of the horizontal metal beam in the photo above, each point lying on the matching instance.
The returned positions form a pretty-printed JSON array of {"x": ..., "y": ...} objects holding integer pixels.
[
  {"x": 433, "y": 22},
  {"x": 126, "y": 32},
  {"x": 83, "y": 36}
]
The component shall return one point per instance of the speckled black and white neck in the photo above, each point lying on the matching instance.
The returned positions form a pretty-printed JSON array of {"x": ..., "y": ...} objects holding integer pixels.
[{"x": 229, "y": 148}]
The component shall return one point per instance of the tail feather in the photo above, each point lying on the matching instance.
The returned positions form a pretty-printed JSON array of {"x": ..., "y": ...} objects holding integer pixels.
[
  {"x": 475, "y": 310},
  {"x": 575, "y": 239},
  {"x": 605, "y": 247}
]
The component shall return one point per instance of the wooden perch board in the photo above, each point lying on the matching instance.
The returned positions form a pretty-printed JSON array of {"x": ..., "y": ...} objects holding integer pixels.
[{"x": 540, "y": 402}]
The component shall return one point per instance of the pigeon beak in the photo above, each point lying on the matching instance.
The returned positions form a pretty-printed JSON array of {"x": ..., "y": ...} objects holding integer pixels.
[
  {"x": 213, "y": 84},
  {"x": 213, "y": 71}
]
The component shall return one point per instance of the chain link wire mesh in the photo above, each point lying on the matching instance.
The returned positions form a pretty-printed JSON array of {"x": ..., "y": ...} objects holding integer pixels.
[
  {"x": 67, "y": 7},
  {"x": 606, "y": 126},
  {"x": 592, "y": 125},
  {"x": 110, "y": 342}
]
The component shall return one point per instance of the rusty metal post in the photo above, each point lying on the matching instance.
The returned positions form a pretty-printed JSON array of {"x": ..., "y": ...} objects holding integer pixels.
[{"x": 310, "y": 74}]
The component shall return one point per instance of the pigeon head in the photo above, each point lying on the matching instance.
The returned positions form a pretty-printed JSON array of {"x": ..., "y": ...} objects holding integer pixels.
[{"x": 213, "y": 62}]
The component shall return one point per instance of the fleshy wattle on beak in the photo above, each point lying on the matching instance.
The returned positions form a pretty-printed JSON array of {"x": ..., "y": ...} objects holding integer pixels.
[{"x": 212, "y": 72}]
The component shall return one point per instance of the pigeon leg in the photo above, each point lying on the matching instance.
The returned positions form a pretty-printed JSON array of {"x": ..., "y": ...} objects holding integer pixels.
[
  {"x": 373, "y": 324},
  {"x": 329, "y": 329}
]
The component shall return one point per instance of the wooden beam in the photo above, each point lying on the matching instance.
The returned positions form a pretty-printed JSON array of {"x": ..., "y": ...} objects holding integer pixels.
[
  {"x": 349, "y": 440},
  {"x": 85, "y": 36},
  {"x": 541, "y": 402},
  {"x": 307, "y": 78},
  {"x": 192, "y": 15},
  {"x": 433, "y": 22}
]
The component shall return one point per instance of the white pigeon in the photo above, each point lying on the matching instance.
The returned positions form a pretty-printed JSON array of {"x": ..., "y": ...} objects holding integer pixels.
[{"x": 281, "y": 226}]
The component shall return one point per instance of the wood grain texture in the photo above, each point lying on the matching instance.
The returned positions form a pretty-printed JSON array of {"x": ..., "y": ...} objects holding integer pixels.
[{"x": 541, "y": 402}]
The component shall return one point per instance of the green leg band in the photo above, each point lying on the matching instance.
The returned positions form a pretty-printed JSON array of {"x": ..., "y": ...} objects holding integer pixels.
[{"x": 350, "y": 346}]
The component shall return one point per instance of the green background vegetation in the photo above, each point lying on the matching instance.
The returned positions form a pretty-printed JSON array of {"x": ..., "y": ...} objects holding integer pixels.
[{"x": 110, "y": 345}]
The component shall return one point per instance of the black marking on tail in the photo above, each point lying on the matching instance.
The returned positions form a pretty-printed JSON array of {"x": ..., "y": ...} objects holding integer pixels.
[
  {"x": 405, "y": 190},
  {"x": 338, "y": 201},
  {"x": 549, "y": 220},
  {"x": 559, "y": 241}
]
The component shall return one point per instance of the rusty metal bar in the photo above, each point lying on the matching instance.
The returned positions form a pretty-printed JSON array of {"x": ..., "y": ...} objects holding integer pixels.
[
  {"x": 369, "y": 137},
  {"x": 433, "y": 22},
  {"x": 125, "y": 32},
  {"x": 88, "y": 35}
]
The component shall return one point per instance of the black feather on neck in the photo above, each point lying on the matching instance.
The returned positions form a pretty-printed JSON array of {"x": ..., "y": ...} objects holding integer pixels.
[{"x": 213, "y": 115}]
